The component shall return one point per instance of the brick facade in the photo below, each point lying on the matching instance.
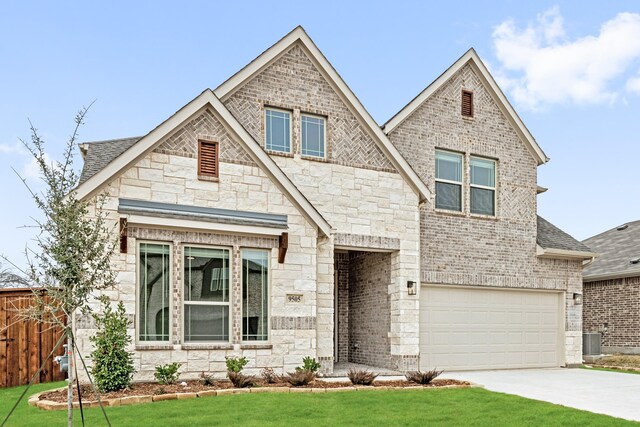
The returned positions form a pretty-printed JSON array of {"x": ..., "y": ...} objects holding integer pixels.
[
  {"x": 460, "y": 248},
  {"x": 612, "y": 307}
]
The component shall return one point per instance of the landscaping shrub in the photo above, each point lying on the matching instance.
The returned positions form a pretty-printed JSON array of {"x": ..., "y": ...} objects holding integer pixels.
[
  {"x": 421, "y": 377},
  {"x": 361, "y": 377},
  {"x": 207, "y": 379},
  {"x": 309, "y": 364},
  {"x": 300, "y": 377},
  {"x": 269, "y": 376},
  {"x": 167, "y": 374},
  {"x": 235, "y": 364},
  {"x": 240, "y": 380},
  {"x": 112, "y": 363}
]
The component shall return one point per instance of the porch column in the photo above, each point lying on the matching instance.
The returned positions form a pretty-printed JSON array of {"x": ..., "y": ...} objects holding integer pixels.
[{"x": 325, "y": 303}]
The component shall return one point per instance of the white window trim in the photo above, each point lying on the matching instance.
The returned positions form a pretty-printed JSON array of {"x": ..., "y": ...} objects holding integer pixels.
[
  {"x": 207, "y": 303},
  {"x": 269, "y": 296},
  {"x": 281, "y": 110},
  {"x": 484, "y": 187},
  {"x": 447, "y": 181},
  {"x": 324, "y": 142},
  {"x": 139, "y": 342}
]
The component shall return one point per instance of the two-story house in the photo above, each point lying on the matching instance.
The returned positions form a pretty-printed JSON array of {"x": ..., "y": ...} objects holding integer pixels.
[{"x": 274, "y": 218}]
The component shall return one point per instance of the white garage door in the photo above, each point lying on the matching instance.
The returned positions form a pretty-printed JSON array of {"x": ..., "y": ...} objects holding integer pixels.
[{"x": 471, "y": 328}]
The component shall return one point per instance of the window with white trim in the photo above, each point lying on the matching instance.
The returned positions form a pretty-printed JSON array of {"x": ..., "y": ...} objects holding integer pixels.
[
  {"x": 255, "y": 295},
  {"x": 449, "y": 180},
  {"x": 313, "y": 135},
  {"x": 483, "y": 186},
  {"x": 206, "y": 294},
  {"x": 154, "y": 297},
  {"x": 278, "y": 130}
]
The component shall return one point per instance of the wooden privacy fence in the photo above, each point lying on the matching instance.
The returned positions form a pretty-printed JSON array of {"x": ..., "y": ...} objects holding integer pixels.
[{"x": 24, "y": 345}]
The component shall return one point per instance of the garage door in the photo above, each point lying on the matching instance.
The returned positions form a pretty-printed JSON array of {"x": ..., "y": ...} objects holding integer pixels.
[{"x": 471, "y": 328}]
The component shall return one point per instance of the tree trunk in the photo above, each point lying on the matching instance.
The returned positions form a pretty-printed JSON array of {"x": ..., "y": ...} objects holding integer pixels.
[{"x": 70, "y": 374}]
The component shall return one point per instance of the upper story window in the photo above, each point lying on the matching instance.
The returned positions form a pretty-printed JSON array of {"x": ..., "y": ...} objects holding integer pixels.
[
  {"x": 467, "y": 103},
  {"x": 313, "y": 136},
  {"x": 483, "y": 186},
  {"x": 154, "y": 299},
  {"x": 206, "y": 294},
  {"x": 448, "y": 180},
  {"x": 278, "y": 130},
  {"x": 208, "y": 158}
]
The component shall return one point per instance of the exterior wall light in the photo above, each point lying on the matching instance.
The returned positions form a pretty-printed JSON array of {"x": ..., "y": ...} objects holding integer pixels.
[
  {"x": 577, "y": 299},
  {"x": 412, "y": 288}
]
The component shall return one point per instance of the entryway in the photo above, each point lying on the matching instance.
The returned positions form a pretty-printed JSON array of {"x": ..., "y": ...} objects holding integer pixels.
[{"x": 363, "y": 310}]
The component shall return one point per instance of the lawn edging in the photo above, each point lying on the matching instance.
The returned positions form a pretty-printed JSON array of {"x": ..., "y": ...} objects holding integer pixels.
[{"x": 49, "y": 405}]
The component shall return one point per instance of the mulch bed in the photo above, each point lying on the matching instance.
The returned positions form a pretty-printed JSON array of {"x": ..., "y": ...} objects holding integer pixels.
[{"x": 194, "y": 386}]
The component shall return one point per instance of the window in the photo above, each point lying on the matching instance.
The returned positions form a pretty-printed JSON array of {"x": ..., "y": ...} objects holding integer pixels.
[
  {"x": 448, "y": 180},
  {"x": 255, "y": 287},
  {"x": 483, "y": 186},
  {"x": 313, "y": 136},
  {"x": 206, "y": 294},
  {"x": 278, "y": 130},
  {"x": 208, "y": 158},
  {"x": 467, "y": 103},
  {"x": 154, "y": 276}
]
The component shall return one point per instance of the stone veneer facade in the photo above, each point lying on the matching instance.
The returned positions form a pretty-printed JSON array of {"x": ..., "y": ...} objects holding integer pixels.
[
  {"x": 616, "y": 304},
  {"x": 460, "y": 248}
]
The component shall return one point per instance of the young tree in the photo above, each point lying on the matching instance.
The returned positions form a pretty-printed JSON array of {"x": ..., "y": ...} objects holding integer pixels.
[{"x": 74, "y": 245}]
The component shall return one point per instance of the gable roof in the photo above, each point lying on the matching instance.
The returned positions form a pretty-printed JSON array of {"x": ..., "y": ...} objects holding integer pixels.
[
  {"x": 472, "y": 58},
  {"x": 206, "y": 99},
  {"x": 617, "y": 249},
  {"x": 298, "y": 35},
  {"x": 98, "y": 154}
]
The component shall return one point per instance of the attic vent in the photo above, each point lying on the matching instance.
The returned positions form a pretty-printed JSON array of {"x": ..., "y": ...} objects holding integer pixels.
[
  {"x": 208, "y": 158},
  {"x": 635, "y": 261},
  {"x": 467, "y": 103},
  {"x": 622, "y": 227}
]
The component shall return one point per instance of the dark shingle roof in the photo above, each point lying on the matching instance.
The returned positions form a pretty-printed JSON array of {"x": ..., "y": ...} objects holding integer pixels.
[
  {"x": 551, "y": 237},
  {"x": 616, "y": 248},
  {"x": 100, "y": 153}
]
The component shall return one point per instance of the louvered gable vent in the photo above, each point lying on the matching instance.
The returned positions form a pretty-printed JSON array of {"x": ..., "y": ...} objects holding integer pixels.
[
  {"x": 467, "y": 103},
  {"x": 208, "y": 158}
]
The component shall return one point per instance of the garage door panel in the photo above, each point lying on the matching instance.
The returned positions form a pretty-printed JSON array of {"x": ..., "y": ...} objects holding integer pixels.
[{"x": 471, "y": 328}]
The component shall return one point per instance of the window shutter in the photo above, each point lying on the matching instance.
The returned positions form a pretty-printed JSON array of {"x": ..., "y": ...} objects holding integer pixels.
[
  {"x": 208, "y": 158},
  {"x": 467, "y": 103}
]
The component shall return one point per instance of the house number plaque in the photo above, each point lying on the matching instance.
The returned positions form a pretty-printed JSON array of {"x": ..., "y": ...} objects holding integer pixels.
[{"x": 294, "y": 298}]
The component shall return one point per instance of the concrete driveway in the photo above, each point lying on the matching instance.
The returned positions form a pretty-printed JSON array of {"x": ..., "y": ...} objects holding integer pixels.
[{"x": 609, "y": 393}]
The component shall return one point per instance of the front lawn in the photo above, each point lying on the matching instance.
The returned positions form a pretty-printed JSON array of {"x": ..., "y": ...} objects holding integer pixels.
[{"x": 471, "y": 406}]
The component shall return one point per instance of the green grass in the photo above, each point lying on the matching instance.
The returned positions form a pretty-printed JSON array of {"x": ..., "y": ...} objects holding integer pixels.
[
  {"x": 621, "y": 371},
  {"x": 472, "y": 406}
]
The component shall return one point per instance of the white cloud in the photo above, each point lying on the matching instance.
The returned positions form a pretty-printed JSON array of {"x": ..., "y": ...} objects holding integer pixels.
[
  {"x": 31, "y": 169},
  {"x": 539, "y": 65},
  {"x": 12, "y": 148}
]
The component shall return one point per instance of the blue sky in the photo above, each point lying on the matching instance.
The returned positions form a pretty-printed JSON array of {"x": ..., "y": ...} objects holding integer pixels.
[{"x": 571, "y": 69}]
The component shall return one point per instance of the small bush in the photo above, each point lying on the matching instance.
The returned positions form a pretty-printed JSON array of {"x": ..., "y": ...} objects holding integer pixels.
[
  {"x": 300, "y": 377},
  {"x": 112, "y": 363},
  {"x": 269, "y": 376},
  {"x": 207, "y": 379},
  {"x": 361, "y": 377},
  {"x": 421, "y": 377},
  {"x": 236, "y": 364},
  {"x": 241, "y": 381},
  {"x": 167, "y": 374},
  {"x": 159, "y": 391},
  {"x": 309, "y": 364}
]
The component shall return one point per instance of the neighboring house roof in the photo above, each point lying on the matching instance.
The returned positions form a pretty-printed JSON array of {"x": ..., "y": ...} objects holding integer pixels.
[
  {"x": 472, "y": 58},
  {"x": 617, "y": 248},
  {"x": 98, "y": 154},
  {"x": 555, "y": 243},
  {"x": 206, "y": 99},
  {"x": 298, "y": 35}
]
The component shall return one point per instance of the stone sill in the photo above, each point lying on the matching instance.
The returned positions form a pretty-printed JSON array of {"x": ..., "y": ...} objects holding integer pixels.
[
  {"x": 207, "y": 346},
  {"x": 256, "y": 346},
  {"x": 208, "y": 178},
  {"x": 278, "y": 153},
  {"x": 483, "y": 217},
  {"x": 154, "y": 347},
  {"x": 450, "y": 213}
]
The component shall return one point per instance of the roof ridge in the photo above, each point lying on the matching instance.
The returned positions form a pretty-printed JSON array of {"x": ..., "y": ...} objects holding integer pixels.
[
  {"x": 112, "y": 140},
  {"x": 611, "y": 229}
]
